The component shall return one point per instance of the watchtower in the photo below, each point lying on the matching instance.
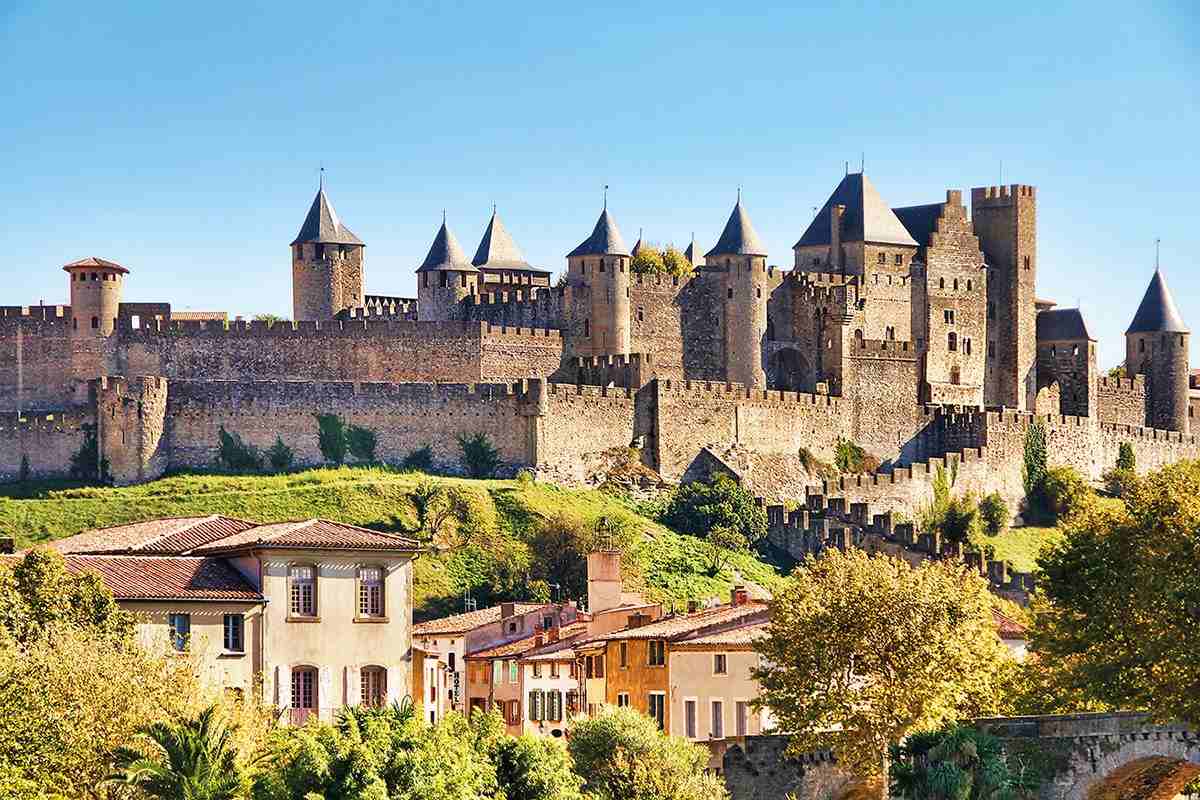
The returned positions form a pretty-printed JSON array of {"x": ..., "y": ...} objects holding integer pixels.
[
  {"x": 1005, "y": 220},
  {"x": 95, "y": 295},
  {"x": 601, "y": 265},
  {"x": 327, "y": 264},
  {"x": 444, "y": 279},
  {"x": 742, "y": 256},
  {"x": 1156, "y": 345}
]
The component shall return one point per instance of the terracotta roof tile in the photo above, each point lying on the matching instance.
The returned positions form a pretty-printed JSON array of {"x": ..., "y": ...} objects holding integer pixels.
[
  {"x": 521, "y": 646},
  {"x": 470, "y": 620},
  {"x": 166, "y": 577},
  {"x": 1007, "y": 627},
  {"x": 681, "y": 625},
  {"x": 317, "y": 534},
  {"x": 740, "y": 638},
  {"x": 162, "y": 536},
  {"x": 92, "y": 261}
]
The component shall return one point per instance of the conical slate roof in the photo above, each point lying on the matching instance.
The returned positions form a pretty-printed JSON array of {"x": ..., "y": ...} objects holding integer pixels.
[
  {"x": 637, "y": 248},
  {"x": 497, "y": 248},
  {"x": 1158, "y": 312},
  {"x": 323, "y": 226},
  {"x": 445, "y": 254},
  {"x": 739, "y": 237},
  {"x": 692, "y": 253},
  {"x": 605, "y": 240},
  {"x": 867, "y": 217}
]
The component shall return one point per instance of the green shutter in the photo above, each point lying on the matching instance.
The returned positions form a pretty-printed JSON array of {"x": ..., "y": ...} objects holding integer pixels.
[{"x": 533, "y": 716}]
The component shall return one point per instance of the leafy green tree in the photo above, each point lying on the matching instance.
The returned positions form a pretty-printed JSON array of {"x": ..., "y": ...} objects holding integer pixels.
[
  {"x": 39, "y": 595},
  {"x": 960, "y": 520},
  {"x": 361, "y": 442},
  {"x": 534, "y": 768},
  {"x": 280, "y": 456},
  {"x": 863, "y": 651},
  {"x": 86, "y": 463},
  {"x": 420, "y": 459},
  {"x": 234, "y": 454},
  {"x": 1125, "y": 457},
  {"x": 958, "y": 763},
  {"x": 721, "y": 543},
  {"x": 479, "y": 457},
  {"x": 1119, "y": 605},
  {"x": 676, "y": 264},
  {"x": 622, "y": 755},
  {"x": 648, "y": 261},
  {"x": 1063, "y": 491},
  {"x": 699, "y": 508},
  {"x": 993, "y": 514},
  {"x": 559, "y": 547},
  {"x": 1033, "y": 470},
  {"x": 1118, "y": 371},
  {"x": 331, "y": 437},
  {"x": 190, "y": 758}
]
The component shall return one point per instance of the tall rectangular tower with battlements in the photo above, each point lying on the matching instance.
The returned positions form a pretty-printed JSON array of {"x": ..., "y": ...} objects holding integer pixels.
[{"x": 1005, "y": 220}]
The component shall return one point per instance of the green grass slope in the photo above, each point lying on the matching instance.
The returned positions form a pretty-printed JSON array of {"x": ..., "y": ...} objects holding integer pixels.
[{"x": 665, "y": 564}]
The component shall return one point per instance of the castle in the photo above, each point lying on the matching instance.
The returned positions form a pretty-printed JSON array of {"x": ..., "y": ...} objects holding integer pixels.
[{"x": 914, "y": 332}]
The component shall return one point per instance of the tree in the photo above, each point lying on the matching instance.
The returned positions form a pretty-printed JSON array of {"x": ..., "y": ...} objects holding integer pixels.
[
  {"x": 280, "y": 456},
  {"x": 648, "y": 261},
  {"x": 192, "y": 758},
  {"x": 959, "y": 520},
  {"x": 1033, "y": 470},
  {"x": 361, "y": 442},
  {"x": 720, "y": 544},
  {"x": 38, "y": 595},
  {"x": 1063, "y": 491},
  {"x": 420, "y": 459},
  {"x": 622, "y": 755},
  {"x": 1125, "y": 457},
  {"x": 86, "y": 463},
  {"x": 993, "y": 513},
  {"x": 1118, "y": 371},
  {"x": 234, "y": 454},
  {"x": 676, "y": 264},
  {"x": 1119, "y": 605},
  {"x": 862, "y": 651},
  {"x": 478, "y": 456},
  {"x": 533, "y": 768},
  {"x": 560, "y": 546},
  {"x": 698, "y": 508},
  {"x": 958, "y": 763},
  {"x": 331, "y": 437}
]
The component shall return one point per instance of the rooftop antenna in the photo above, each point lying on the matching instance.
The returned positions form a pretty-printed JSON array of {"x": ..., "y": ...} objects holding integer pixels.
[
  {"x": 847, "y": 165},
  {"x": 862, "y": 164},
  {"x": 606, "y": 197},
  {"x": 321, "y": 179},
  {"x": 1156, "y": 244}
]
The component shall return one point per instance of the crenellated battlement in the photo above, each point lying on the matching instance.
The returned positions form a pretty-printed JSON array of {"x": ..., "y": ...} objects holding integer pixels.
[
  {"x": 893, "y": 349},
  {"x": 1001, "y": 195},
  {"x": 12, "y": 424},
  {"x": 39, "y": 313},
  {"x": 739, "y": 392}
]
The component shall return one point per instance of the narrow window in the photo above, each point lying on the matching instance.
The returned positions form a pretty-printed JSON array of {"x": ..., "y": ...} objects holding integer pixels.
[
  {"x": 968, "y": 284},
  {"x": 622, "y": 699},
  {"x": 370, "y": 592},
  {"x": 719, "y": 664},
  {"x": 450, "y": 659},
  {"x": 658, "y": 653},
  {"x": 955, "y": 376},
  {"x": 623, "y": 652},
  {"x": 941, "y": 283},
  {"x": 1141, "y": 345},
  {"x": 554, "y": 668},
  {"x": 890, "y": 333},
  {"x": 718, "y": 719},
  {"x": 304, "y": 694},
  {"x": 956, "y": 284},
  {"x": 729, "y": 293},
  {"x": 951, "y": 341},
  {"x": 689, "y": 719},
  {"x": 95, "y": 322},
  {"x": 235, "y": 633},
  {"x": 602, "y": 265},
  {"x": 742, "y": 713},
  {"x": 374, "y": 686},
  {"x": 303, "y": 592},
  {"x": 858, "y": 334},
  {"x": 967, "y": 346},
  {"x": 320, "y": 250},
  {"x": 587, "y": 329},
  {"x": 641, "y": 315},
  {"x": 537, "y": 669},
  {"x": 497, "y": 672},
  {"x": 512, "y": 671},
  {"x": 181, "y": 630},
  {"x": 899, "y": 259},
  {"x": 657, "y": 708},
  {"x": 1026, "y": 262},
  {"x": 882, "y": 259}
]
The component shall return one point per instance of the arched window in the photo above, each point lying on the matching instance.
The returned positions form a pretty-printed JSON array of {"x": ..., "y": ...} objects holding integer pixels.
[
  {"x": 305, "y": 699},
  {"x": 373, "y": 682},
  {"x": 968, "y": 284},
  {"x": 858, "y": 334},
  {"x": 95, "y": 323},
  {"x": 941, "y": 283},
  {"x": 952, "y": 341},
  {"x": 956, "y": 284}
]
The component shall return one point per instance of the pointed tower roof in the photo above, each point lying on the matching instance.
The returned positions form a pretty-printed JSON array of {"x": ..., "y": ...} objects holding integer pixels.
[
  {"x": 637, "y": 248},
  {"x": 445, "y": 254},
  {"x": 92, "y": 261},
  {"x": 867, "y": 217},
  {"x": 322, "y": 224},
  {"x": 497, "y": 248},
  {"x": 605, "y": 240},
  {"x": 1157, "y": 312},
  {"x": 739, "y": 237},
  {"x": 692, "y": 253}
]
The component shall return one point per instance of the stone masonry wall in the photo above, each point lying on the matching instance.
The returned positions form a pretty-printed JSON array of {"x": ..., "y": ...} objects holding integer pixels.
[
  {"x": 47, "y": 440},
  {"x": 1122, "y": 401},
  {"x": 43, "y": 334}
]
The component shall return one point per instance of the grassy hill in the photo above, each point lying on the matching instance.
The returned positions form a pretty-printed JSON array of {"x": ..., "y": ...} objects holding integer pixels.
[{"x": 665, "y": 564}]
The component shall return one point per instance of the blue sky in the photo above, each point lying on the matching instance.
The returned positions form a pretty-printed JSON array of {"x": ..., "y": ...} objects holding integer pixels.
[{"x": 183, "y": 140}]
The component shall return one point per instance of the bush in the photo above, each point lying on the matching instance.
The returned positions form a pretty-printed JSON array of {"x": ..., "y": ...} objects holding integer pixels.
[
  {"x": 280, "y": 456},
  {"x": 849, "y": 457},
  {"x": 993, "y": 513},
  {"x": 86, "y": 464},
  {"x": 960, "y": 520},
  {"x": 1120, "y": 482},
  {"x": 235, "y": 455},
  {"x": 1033, "y": 471},
  {"x": 23, "y": 473},
  {"x": 331, "y": 437},
  {"x": 560, "y": 546},
  {"x": 648, "y": 261},
  {"x": 420, "y": 459},
  {"x": 479, "y": 457},
  {"x": 1063, "y": 491},
  {"x": 361, "y": 442},
  {"x": 700, "y": 508},
  {"x": 1126, "y": 460}
]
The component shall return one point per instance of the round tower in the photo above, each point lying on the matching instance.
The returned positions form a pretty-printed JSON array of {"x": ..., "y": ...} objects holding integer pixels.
[
  {"x": 1156, "y": 345},
  {"x": 445, "y": 279},
  {"x": 741, "y": 255},
  {"x": 95, "y": 295},
  {"x": 327, "y": 265},
  {"x": 601, "y": 265}
]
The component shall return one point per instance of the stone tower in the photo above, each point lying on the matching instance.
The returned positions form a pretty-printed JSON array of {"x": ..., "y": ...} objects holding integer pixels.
[
  {"x": 1156, "y": 345},
  {"x": 600, "y": 264},
  {"x": 1005, "y": 220},
  {"x": 444, "y": 279},
  {"x": 95, "y": 295},
  {"x": 327, "y": 265},
  {"x": 744, "y": 260}
]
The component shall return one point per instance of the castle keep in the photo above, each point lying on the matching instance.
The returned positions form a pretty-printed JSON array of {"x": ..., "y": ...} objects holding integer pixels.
[{"x": 913, "y": 331}]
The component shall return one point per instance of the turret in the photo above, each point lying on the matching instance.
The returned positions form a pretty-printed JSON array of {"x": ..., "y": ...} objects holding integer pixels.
[
  {"x": 444, "y": 279},
  {"x": 1156, "y": 345},
  {"x": 327, "y": 265},
  {"x": 95, "y": 295},
  {"x": 744, "y": 260},
  {"x": 601, "y": 264}
]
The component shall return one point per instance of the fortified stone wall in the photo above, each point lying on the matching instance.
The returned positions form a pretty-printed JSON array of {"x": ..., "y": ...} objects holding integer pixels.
[
  {"x": 41, "y": 334},
  {"x": 1122, "y": 401},
  {"x": 880, "y": 384},
  {"x": 578, "y": 425},
  {"x": 46, "y": 440}
]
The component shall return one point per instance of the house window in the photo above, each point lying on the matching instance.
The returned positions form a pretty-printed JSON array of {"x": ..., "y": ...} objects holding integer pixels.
[
  {"x": 497, "y": 672},
  {"x": 741, "y": 712},
  {"x": 512, "y": 671},
  {"x": 658, "y": 653},
  {"x": 450, "y": 659},
  {"x": 948, "y": 316},
  {"x": 572, "y": 701},
  {"x": 235, "y": 640},
  {"x": 623, "y": 652},
  {"x": 952, "y": 341},
  {"x": 370, "y": 592},
  {"x": 598, "y": 667},
  {"x": 181, "y": 630},
  {"x": 374, "y": 686},
  {"x": 554, "y": 703},
  {"x": 689, "y": 719},
  {"x": 720, "y": 667},
  {"x": 537, "y": 669},
  {"x": 303, "y": 590},
  {"x": 554, "y": 668},
  {"x": 882, "y": 258},
  {"x": 514, "y": 712},
  {"x": 657, "y": 708},
  {"x": 537, "y": 710},
  {"x": 304, "y": 693},
  {"x": 899, "y": 260},
  {"x": 718, "y": 719},
  {"x": 622, "y": 699}
]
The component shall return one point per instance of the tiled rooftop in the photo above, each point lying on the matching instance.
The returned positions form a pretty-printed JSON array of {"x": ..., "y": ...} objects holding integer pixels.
[
  {"x": 740, "y": 638},
  {"x": 309, "y": 534},
  {"x": 170, "y": 535},
  {"x": 521, "y": 646},
  {"x": 470, "y": 620},
  {"x": 679, "y": 626},
  {"x": 166, "y": 577}
]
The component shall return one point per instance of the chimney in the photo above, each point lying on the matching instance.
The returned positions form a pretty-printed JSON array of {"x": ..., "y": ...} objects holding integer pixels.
[
  {"x": 739, "y": 595},
  {"x": 8, "y": 545},
  {"x": 693, "y": 606},
  {"x": 835, "y": 235},
  {"x": 537, "y": 640},
  {"x": 507, "y": 610},
  {"x": 604, "y": 580},
  {"x": 638, "y": 620},
  {"x": 552, "y": 634}
]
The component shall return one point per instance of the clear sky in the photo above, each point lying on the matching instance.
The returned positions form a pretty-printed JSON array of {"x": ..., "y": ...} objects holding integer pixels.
[{"x": 183, "y": 139}]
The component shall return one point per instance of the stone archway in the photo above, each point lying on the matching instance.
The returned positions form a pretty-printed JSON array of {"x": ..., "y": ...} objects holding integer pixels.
[{"x": 788, "y": 370}]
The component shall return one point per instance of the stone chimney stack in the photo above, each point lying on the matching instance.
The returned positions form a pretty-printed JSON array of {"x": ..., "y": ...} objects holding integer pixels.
[{"x": 604, "y": 580}]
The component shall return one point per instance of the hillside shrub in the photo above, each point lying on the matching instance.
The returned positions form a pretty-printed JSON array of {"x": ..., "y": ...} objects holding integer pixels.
[
  {"x": 1063, "y": 491},
  {"x": 479, "y": 457},
  {"x": 235, "y": 455},
  {"x": 331, "y": 437},
  {"x": 848, "y": 456},
  {"x": 23, "y": 472},
  {"x": 1120, "y": 482},
  {"x": 86, "y": 464},
  {"x": 280, "y": 456},
  {"x": 700, "y": 508},
  {"x": 993, "y": 514},
  {"x": 1126, "y": 460},
  {"x": 1033, "y": 470},
  {"x": 420, "y": 460},
  {"x": 560, "y": 545},
  {"x": 960, "y": 520},
  {"x": 361, "y": 442}
]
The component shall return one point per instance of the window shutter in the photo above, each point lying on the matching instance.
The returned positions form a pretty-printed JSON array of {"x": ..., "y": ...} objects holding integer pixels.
[
  {"x": 393, "y": 684},
  {"x": 353, "y": 685},
  {"x": 325, "y": 695},
  {"x": 283, "y": 686},
  {"x": 533, "y": 706}
]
